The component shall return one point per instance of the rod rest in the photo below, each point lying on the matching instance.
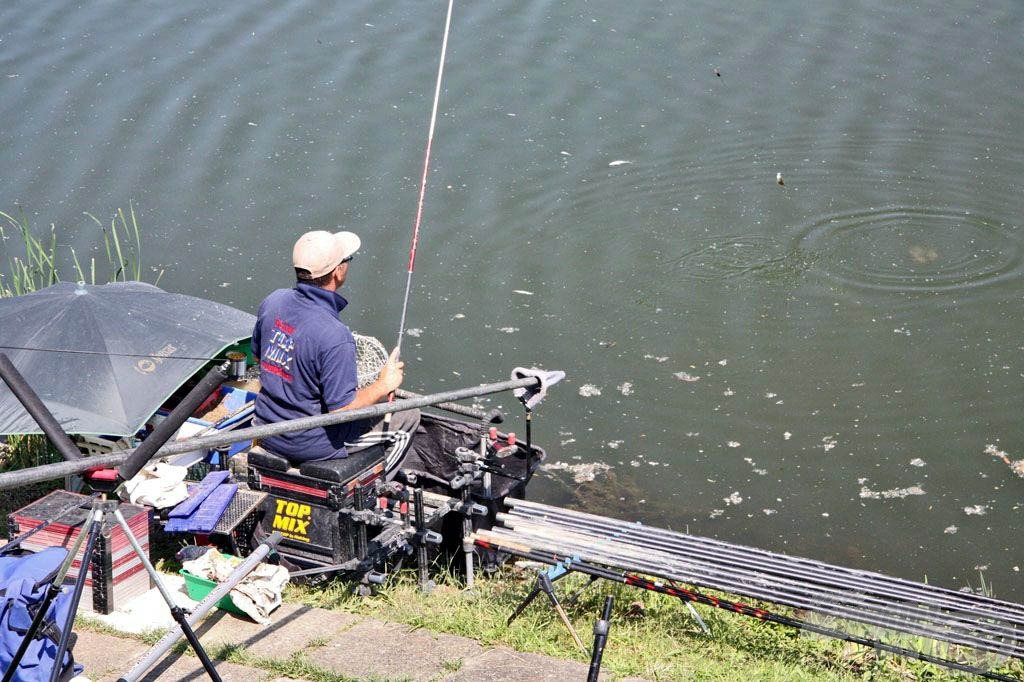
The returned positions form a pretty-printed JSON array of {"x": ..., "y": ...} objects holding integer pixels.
[{"x": 334, "y": 470}]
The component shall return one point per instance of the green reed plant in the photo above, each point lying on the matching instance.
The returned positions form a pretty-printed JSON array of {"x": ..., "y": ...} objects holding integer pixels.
[{"x": 38, "y": 265}]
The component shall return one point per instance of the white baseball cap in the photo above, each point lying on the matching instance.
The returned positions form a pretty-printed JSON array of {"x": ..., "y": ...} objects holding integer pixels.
[{"x": 318, "y": 252}]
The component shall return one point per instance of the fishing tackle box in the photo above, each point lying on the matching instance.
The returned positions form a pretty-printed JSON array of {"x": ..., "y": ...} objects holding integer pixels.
[
  {"x": 116, "y": 572},
  {"x": 305, "y": 503}
]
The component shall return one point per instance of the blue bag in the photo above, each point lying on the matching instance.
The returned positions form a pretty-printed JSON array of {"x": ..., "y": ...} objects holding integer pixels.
[{"x": 24, "y": 582}]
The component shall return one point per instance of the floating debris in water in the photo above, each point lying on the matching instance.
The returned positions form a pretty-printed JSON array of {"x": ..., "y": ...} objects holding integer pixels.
[
  {"x": 976, "y": 510},
  {"x": 922, "y": 254},
  {"x": 735, "y": 498},
  {"x": 786, "y": 435},
  {"x": 685, "y": 376},
  {"x": 715, "y": 513},
  {"x": 522, "y": 292},
  {"x": 950, "y": 530},
  {"x": 778, "y": 179},
  {"x": 508, "y": 330},
  {"x": 759, "y": 472},
  {"x": 769, "y": 512},
  {"x": 895, "y": 493},
  {"x": 607, "y": 344},
  {"x": 1016, "y": 467},
  {"x": 917, "y": 462},
  {"x": 458, "y": 316},
  {"x": 728, "y": 392},
  {"x": 625, "y": 388},
  {"x": 415, "y": 332},
  {"x": 733, "y": 444},
  {"x": 619, "y": 162},
  {"x": 656, "y": 358},
  {"x": 564, "y": 153},
  {"x": 828, "y": 442},
  {"x": 718, "y": 73},
  {"x": 589, "y": 390},
  {"x": 723, "y": 363},
  {"x": 581, "y": 473},
  {"x": 614, "y": 444}
]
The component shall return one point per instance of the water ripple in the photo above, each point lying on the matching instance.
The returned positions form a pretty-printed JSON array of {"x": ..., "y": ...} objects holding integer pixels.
[
  {"x": 904, "y": 248},
  {"x": 728, "y": 256}
]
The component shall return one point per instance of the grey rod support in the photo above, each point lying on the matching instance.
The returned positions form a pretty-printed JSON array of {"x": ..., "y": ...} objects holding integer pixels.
[
  {"x": 164, "y": 645},
  {"x": 48, "y": 472}
]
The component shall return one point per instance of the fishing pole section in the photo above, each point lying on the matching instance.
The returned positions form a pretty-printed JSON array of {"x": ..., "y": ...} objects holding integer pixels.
[
  {"x": 658, "y": 560},
  {"x": 423, "y": 179}
]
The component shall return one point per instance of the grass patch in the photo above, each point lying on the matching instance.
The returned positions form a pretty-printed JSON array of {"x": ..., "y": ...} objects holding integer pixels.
[{"x": 652, "y": 636}]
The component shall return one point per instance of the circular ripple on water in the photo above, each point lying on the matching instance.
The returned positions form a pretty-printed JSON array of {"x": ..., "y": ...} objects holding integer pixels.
[
  {"x": 913, "y": 249},
  {"x": 725, "y": 257}
]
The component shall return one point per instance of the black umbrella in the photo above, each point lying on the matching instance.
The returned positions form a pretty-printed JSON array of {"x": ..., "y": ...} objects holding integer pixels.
[{"x": 103, "y": 358}]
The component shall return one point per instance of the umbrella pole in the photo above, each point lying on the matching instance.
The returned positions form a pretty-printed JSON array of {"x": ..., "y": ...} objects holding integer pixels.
[
  {"x": 169, "y": 426},
  {"x": 35, "y": 407}
]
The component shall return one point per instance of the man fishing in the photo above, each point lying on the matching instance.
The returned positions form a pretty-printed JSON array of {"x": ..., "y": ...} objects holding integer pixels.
[{"x": 307, "y": 359}]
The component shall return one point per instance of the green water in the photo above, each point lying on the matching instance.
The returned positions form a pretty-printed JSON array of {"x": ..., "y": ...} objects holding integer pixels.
[{"x": 602, "y": 201}]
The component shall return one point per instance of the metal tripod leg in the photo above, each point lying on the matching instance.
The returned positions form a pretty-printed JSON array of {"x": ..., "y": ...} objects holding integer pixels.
[
  {"x": 95, "y": 527},
  {"x": 545, "y": 585},
  {"x": 241, "y": 571},
  {"x": 693, "y": 613},
  {"x": 467, "y": 542},
  {"x": 176, "y": 611}
]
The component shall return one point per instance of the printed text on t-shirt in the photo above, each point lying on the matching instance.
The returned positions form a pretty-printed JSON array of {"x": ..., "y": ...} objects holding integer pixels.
[{"x": 277, "y": 358}]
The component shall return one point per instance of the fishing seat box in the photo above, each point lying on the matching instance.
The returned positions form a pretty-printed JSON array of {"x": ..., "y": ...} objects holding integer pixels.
[
  {"x": 116, "y": 572},
  {"x": 305, "y": 503}
]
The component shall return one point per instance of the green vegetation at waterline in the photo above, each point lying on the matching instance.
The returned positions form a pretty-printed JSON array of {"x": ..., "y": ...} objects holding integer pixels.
[
  {"x": 39, "y": 263},
  {"x": 652, "y": 636},
  {"x": 34, "y": 262},
  {"x": 23, "y": 452}
]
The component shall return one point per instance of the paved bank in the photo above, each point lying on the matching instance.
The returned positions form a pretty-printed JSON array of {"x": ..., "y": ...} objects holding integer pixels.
[{"x": 349, "y": 646}]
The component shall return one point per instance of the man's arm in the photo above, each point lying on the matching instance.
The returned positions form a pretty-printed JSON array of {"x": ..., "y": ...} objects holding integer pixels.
[{"x": 390, "y": 378}]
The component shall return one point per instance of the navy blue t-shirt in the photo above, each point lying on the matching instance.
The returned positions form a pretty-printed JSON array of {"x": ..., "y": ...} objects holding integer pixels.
[{"x": 307, "y": 367}]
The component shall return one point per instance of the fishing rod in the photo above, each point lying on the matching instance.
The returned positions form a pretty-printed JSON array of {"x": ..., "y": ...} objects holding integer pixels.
[
  {"x": 983, "y": 634},
  {"x": 423, "y": 181},
  {"x": 419, "y": 206},
  {"x": 686, "y": 595},
  {"x": 690, "y": 548},
  {"x": 857, "y": 594}
]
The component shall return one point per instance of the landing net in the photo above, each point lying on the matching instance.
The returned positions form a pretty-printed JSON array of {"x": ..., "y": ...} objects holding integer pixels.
[{"x": 371, "y": 356}]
